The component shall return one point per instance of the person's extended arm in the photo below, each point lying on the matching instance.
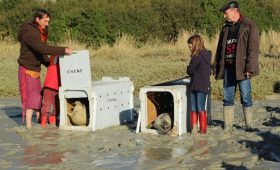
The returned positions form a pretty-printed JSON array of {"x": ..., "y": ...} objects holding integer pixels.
[{"x": 33, "y": 40}]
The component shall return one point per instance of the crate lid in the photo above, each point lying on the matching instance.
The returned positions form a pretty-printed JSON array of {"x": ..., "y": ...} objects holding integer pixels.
[{"x": 75, "y": 70}]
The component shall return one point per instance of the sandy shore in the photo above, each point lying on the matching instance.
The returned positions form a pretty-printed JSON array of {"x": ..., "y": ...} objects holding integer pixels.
[{"x": 120, "y": 147}]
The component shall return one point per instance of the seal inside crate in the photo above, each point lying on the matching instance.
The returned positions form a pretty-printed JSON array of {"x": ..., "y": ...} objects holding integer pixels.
[
  {"x": 70, "y": 102},
  {"x": 159, "y": 103}
]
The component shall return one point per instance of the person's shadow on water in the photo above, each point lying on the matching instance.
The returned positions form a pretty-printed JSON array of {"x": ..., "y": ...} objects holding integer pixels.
[
  {"x": 13, "y": 113},
  {"x": 273, "y": 121},
  {"x": 230, "y": 167},
  {"x": 268, "y": 148}
]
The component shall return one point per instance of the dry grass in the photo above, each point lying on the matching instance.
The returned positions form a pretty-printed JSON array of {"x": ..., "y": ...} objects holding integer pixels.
[
  {"x": 9, "y": 67},
  {"x": 270, "y": 44},
  {"x": 151, "y": 63}
]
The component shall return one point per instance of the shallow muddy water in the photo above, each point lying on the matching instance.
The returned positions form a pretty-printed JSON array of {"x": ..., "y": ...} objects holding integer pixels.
[{"x": 119, "y": 147}]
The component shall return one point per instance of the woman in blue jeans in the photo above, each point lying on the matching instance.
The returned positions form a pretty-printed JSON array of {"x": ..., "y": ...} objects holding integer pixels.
[{"x": 199, "y": 69}]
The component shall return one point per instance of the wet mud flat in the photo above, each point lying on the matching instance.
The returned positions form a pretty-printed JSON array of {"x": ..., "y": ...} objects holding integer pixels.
[{"x": 119, "y": 147}]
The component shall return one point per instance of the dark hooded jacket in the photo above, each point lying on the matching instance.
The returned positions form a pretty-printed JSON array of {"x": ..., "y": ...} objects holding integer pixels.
[
  {"x": 199, "y": 69},
  {"x": 33, "y": 51},
  {"x": 247, "y": 51}
]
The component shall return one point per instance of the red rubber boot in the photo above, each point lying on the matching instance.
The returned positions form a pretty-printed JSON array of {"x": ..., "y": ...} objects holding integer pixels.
[
  {"x": 193, "y": 118},
  {"x": 52, "y": 119},
  {"x": 43, "y": 121},
  {"x": 203, "y": 122}
]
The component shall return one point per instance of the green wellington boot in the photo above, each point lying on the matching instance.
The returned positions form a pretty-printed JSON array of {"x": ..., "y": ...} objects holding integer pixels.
[
  {"x": 228, "y": 117},
  {"x": 248, "y": 113}
]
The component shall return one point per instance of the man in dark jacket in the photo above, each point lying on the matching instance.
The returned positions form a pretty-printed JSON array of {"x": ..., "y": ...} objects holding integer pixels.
[{"x": 236, "y": 61}]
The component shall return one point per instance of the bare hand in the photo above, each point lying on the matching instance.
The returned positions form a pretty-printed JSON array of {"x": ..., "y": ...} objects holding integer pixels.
[
  {"x": 247, "y": 75},
  {"x": 68, "y": 51}
]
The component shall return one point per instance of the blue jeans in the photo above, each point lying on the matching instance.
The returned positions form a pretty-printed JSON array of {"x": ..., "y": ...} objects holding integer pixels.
[
  {"x": 230, "y": 84},
  {"x": 198, "y": 100}
]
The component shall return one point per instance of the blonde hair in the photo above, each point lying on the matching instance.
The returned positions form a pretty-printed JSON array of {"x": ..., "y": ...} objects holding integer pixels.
[{"x": 197, "y": 44}]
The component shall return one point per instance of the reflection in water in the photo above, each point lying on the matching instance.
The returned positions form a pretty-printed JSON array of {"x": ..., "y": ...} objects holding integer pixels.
[
  {"x": 49, "y": 135},
  {"x": 200, "y": 148},
  {"x": 158, "y": 154},
  {"x": 115, "y": 161},
  {"x": 35, "y": 156},
  {"x": 155, "y": 154}
]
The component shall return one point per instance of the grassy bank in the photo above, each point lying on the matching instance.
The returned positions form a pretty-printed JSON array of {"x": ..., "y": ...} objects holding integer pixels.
[{"x": 149, "y": 63}]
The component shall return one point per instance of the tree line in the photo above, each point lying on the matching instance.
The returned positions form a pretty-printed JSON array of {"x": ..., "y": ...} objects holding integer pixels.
[{"x": 94, "y": 22}]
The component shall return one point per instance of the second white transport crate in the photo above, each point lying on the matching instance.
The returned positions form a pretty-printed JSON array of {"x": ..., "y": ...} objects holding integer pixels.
[
  {"x": 171, "y": 97},
  {"x": 155, "y": 100}
]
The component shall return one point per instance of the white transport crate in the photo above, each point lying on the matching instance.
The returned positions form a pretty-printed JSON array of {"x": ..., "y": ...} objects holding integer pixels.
[
  {"x": 114, "y": 101},
  {"x": 108, "y": 101},
  {"x": 155, "y": 100},
  {"x": 172, "y": 97}
]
